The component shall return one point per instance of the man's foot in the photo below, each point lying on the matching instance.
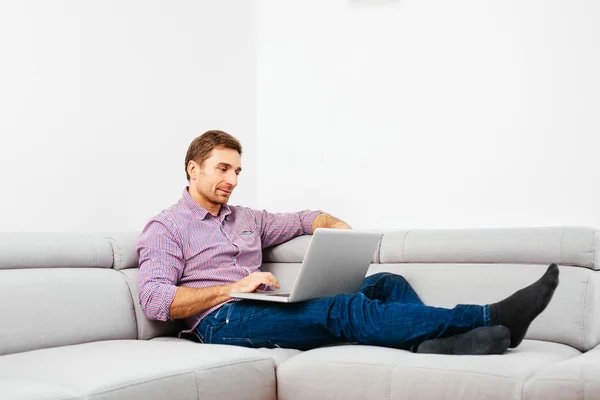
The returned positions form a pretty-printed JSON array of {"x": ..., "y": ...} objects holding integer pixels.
[
  {"x": 480, "y": 341},
  {"x": 519, "y": 310}
]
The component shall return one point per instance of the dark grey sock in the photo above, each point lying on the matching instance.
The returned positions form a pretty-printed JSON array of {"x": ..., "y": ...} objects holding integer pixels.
[
  {"x": 519, "y": 310},
  {"x": 479, "y": 341}
]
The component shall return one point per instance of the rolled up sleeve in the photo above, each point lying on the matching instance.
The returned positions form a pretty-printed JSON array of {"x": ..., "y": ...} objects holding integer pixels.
[
  {"x": 276, "y": 228},
  {"x": 161, "y": 266}
]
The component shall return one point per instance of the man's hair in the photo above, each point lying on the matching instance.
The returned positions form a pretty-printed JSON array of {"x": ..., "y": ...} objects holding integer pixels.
[{"x": 201, "y": 147}]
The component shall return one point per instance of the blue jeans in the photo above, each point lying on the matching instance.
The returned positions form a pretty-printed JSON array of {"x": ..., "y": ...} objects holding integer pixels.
[{"x": 386, "y": 312}]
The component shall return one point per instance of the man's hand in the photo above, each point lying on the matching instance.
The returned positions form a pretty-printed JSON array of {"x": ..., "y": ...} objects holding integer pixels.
[{"x": 254, "y": 280}]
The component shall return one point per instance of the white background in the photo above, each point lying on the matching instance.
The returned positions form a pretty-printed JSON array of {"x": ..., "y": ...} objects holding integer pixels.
[
  {"x": 99, "y": 101},
  {"x": 385, "y": 113},
  {"x": 431, "y": 114}
]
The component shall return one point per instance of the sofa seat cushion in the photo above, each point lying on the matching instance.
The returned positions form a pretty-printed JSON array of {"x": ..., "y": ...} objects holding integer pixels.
[
  {"x": 278, "y": 355},
  {"x": 27, "y": 390},
  {"x": 576, "y": 378},
  {"x": 359, "y": 372},
  {"x": 137, "y": 369}
]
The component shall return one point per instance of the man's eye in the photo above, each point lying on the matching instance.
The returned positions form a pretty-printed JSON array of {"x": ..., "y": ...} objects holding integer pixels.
[{"x": 222, "y": 169}]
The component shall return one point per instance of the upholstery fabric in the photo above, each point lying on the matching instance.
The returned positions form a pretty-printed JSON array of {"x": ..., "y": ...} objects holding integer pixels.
[
  {"x": 54, "y": 250},
  {"x": 361, "y": 372},
  {"x": 576, "y": 378},
  {"x": 146, "y": 328},
  {"x": 577, "y": 246},
  {"x": 61, "y": 306},
  {"x": 139, "y": 369},
  {"x": 278, "y": 355},
  {"x": 28, "y": 390},
  {"x": 123, "y": 248}
]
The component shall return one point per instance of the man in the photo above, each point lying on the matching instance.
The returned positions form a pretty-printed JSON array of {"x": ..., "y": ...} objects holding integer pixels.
[{"x": 195, "y": 254}]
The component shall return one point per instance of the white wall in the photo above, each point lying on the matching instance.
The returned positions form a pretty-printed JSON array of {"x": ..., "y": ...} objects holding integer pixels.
[
  {"x": 100, "y": 100},
  {"x": 387, "y": 113},
  {"x": 416, "y": 114}
]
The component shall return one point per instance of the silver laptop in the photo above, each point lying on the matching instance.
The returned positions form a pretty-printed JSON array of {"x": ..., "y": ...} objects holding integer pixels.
[{"x": 336, "y": 262}]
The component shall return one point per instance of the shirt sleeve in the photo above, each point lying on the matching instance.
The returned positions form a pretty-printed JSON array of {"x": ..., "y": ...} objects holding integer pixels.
[
  {"x": 161, "y": 264},
  {"x": 276, "y": 228}
]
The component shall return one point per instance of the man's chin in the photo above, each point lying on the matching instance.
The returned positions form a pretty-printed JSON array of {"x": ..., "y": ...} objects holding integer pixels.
[{"x": 221, "y": 199}]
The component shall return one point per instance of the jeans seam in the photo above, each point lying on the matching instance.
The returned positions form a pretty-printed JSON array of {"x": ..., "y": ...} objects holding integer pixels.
[{"x": 208, "y": 336}]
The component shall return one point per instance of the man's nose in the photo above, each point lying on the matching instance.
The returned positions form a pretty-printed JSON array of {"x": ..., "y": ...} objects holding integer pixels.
[{"x": 232, "y": 179}]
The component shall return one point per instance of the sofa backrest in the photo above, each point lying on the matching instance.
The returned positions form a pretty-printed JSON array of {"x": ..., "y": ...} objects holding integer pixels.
[
  {"x": 59, "y": 289},
  {"x": 481, "y": 266},
  {"x": 126, "y": 261}
]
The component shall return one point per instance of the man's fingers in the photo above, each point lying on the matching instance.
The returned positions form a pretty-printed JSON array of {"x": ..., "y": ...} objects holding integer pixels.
[
  {"x": 274, "y": 281},
  {"x": 254, "y": 280},
  {"x": 270, "y": 280}
]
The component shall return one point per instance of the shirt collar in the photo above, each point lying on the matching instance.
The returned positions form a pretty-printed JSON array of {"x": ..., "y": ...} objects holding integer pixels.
[{"x": 197, "y": 209}]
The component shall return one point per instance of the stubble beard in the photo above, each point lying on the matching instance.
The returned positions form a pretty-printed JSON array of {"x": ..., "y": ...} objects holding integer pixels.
[{"x": 219, "y": 199}]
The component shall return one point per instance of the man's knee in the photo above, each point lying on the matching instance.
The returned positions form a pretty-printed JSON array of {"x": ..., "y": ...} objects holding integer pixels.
[{"x": 382, "y": 276}]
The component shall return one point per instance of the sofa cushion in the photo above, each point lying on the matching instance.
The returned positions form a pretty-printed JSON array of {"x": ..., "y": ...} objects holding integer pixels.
[
  {"x": 576, "y": 378},
  {"x": 124, "y": 249},
  {"x": 28, "y": 390},
  {"x": 146, "y": 328},
  {"x": 139, "y": 369},
  {"x": 60, "y": 306},
  {"x": 577, "y": 246},
  {"x": 360, "y": 372},
  {"x": 279, "y": 355},
  {"x": 54, "y": 250}
]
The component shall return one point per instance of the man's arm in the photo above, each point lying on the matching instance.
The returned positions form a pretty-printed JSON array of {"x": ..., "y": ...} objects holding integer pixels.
[
  {"x": 192, "y": 301},
  {"x": 328, "y": 221},
  {"x": 276, "y": 228}
]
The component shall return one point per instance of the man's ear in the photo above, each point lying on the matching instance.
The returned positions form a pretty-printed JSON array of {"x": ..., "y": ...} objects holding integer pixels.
[{"x": 192, "y": 169}]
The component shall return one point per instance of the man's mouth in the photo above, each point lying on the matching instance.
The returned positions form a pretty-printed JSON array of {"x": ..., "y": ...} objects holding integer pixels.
[{"x": 224, "y": 191}]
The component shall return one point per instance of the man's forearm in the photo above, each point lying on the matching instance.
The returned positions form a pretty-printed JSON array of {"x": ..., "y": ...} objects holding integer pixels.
[
  {"x": 192, "y": 301},
  {"x": 328, "y": 221}
]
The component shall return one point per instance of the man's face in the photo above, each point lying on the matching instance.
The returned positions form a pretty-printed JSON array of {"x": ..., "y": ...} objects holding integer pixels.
[{"x": 216, "y": 178}]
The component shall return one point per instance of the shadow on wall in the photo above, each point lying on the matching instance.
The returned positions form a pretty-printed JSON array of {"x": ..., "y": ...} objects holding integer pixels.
[{"x": 372, "y": 3}]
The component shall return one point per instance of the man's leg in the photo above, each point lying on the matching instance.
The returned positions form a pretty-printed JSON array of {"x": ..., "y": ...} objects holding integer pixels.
[
  {"x": 388, "y": 287},
  {"x": 345, "y": 317},
  {"x": 356, "y": 318},
  {"x": 510, "y": 319}
]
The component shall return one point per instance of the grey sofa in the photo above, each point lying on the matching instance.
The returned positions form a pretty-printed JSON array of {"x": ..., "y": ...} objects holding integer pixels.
[{"x": 71, "y": 326}]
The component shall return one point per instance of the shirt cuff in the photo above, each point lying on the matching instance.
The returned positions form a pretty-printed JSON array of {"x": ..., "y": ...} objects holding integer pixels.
[
  {"x": 308, "y": 220},
  {"x": 168, "y": 297}
]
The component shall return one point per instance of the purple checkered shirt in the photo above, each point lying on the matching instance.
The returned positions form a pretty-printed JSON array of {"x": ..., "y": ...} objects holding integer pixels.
[{"x": 185, "y": 245}]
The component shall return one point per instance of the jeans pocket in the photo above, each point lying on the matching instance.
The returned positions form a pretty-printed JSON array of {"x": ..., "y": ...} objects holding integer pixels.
[
  {"x": 247, "y": 342},
  {"x": 204, "y": 332}
]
